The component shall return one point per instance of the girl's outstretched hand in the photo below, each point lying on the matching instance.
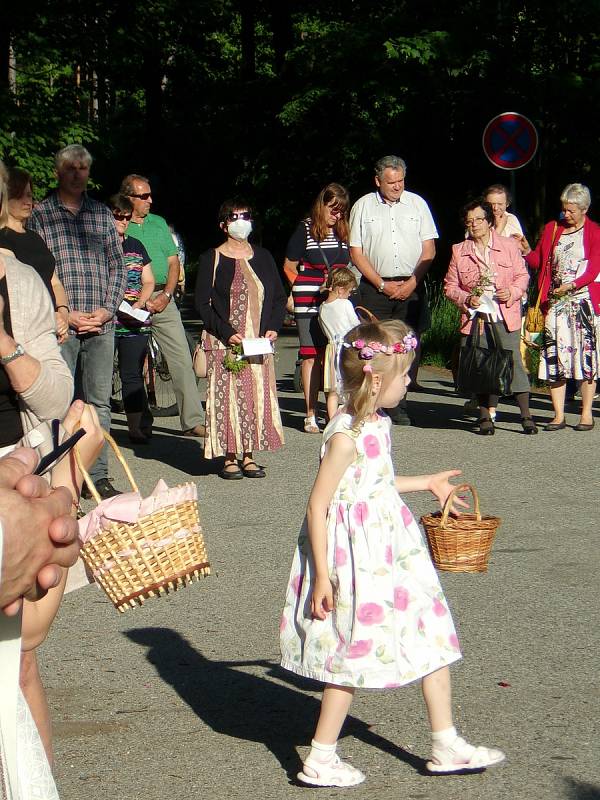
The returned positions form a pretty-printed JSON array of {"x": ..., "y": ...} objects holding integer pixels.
[
  {"x": 439, "y": 485},
  {"x": 321, "y": 602}
]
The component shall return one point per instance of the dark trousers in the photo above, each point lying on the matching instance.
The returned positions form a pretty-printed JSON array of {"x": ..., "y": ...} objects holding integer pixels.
[
  {"x": 410, "y": 311},
  {"x": 132, "y": 354}
]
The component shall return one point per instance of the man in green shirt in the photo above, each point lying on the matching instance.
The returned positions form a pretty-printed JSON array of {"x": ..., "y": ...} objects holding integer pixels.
[{"x": 153, "y": 232}]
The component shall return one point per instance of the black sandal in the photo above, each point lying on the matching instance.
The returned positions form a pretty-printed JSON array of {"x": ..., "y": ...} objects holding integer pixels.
[
  {"x": 252, "y": 473},
  {"x": 231, "y": 474},
  {"x": 486, "y": 427},
  {"x": 529, "y": 426}
]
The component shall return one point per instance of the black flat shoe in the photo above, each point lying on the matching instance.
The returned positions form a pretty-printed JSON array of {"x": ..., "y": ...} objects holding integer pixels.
[
  {"x": 555, "y": 426},
  {"x": 584, "y": 426},
  {"x": 138, "y": 437},
  {"x": 529, "y": 426},
  {"x": 104, "y": 487},
  {"x": 258, "y": 472},
  {"x": 486, "y": 427},
  {"x": 229, "y": 474}
]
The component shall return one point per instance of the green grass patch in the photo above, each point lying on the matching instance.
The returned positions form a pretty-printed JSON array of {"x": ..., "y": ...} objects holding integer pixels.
[{"x": 442, "y": 336}]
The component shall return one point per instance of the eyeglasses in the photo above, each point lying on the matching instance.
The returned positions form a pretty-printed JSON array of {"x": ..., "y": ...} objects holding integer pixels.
[
  {"x": 239, "y": 215},
  {"x": 336, "y": 212},
  {"x": 471, "y": 222},
  {"x": 142, "y": 196},
  {"x": 121, "y": 217}
]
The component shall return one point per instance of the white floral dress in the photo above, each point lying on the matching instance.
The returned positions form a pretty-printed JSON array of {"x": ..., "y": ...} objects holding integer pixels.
[
  {"x": 570, "y": 347},
  {"x": 391, "y": 624}
]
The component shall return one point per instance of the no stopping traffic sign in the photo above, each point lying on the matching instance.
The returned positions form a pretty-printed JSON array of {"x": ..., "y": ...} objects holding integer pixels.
[{"x": 510, "y": 140}]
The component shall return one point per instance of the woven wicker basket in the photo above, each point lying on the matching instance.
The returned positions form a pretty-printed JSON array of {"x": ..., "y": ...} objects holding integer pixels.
[
  {"x": 462, "y": 543},
  {"x": 161, "y": 552}
]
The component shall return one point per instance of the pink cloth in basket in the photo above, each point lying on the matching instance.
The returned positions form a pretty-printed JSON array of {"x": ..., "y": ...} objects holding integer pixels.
[{"x": 130, "y": 506}]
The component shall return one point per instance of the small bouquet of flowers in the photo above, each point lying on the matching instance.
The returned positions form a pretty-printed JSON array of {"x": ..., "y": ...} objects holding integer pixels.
[
  {"x": 234, "y": 360},
  {"x": 485, "y": 282}
]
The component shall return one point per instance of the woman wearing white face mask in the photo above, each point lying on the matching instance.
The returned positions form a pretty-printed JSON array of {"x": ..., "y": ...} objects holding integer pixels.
[{"x": 239, "y": 295}]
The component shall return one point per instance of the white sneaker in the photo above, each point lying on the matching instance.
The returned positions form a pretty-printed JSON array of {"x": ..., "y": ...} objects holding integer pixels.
[
  {"x": 335, "y": 773},
  {"x": 461, "y": 756}
]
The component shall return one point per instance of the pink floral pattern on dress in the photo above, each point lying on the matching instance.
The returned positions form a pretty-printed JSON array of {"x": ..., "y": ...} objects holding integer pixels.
[
  {"x": 360, "y": 512},
  {"x": 407, "y": 517},
  {"x": 360, "y": 649},
  {"x": 391, "y": 624},
  {"x": 439, "y": 609},
  {"x": 370, "y": 614},
  {"x": 371, "y": 446},
  {"x": 401, "y": 598}
]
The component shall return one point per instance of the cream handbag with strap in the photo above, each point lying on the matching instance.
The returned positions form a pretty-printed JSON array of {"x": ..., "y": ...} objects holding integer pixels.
[{"x": 199, "y": 361}]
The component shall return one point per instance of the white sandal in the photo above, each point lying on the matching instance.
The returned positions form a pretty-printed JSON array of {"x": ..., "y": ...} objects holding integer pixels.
[
  {"x": 461, "y": 756},
  {"x": 335, "y": 773},
  {"x": 310, "y": 425}
]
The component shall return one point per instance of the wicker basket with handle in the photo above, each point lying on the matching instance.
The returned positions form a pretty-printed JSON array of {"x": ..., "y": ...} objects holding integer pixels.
[
  {"x": 160, "y": 552},
  {"x": 460, "y": 543}
]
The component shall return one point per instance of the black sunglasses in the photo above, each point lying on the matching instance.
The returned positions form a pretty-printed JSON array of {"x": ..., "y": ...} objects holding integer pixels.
[
  {"x": 121, "y": 217},
  {"x": 142, "y": 196},
  {"x": 239, "y": 215}
]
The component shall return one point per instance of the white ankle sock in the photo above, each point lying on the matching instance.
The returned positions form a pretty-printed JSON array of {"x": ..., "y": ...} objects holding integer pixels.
[
  {"x": 322, "y": 753},
  {"x": 443, "y": 739}
]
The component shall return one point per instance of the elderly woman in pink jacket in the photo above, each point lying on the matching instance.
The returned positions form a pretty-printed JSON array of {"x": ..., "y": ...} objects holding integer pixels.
[{"x": 488, "y": 264}]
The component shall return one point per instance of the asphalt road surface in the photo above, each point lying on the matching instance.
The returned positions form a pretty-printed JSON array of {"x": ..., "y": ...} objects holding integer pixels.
[{"x": 184, "y": 697}]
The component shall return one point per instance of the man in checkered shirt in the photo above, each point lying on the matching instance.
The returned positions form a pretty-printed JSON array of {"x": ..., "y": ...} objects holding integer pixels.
[{"x": 81, "y": 234}]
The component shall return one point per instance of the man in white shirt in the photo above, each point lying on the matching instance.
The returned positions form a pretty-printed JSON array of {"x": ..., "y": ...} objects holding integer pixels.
[{"x": 392, "y": 243}]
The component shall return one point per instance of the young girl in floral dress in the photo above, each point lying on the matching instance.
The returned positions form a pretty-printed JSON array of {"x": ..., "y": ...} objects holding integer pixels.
[{"x": 364, "y": 607}]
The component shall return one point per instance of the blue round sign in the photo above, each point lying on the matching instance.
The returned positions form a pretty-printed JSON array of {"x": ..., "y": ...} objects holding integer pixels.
[{"x": 510, "y": 140}]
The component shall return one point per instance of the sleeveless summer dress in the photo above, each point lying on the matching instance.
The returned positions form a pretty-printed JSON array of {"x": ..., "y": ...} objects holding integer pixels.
[{"x": 391, "y": 624}]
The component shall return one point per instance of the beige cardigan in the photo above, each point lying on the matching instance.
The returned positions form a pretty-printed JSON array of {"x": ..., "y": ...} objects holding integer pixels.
[
  {"x": 49, "y": 397},
  {"x": 34, "y": 327}
]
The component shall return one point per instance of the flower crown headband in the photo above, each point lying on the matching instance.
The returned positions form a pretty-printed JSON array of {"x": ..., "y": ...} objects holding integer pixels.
[{"x": 368, "y": 350}]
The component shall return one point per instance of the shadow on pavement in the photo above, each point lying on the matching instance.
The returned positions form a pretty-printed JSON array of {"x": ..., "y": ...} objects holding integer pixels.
[
  {"x": 171, "y": 448},
  {"x": 292, "y": 410},
  {"x": 244, "y": 706},
  {"x": 577, "y": 790}
]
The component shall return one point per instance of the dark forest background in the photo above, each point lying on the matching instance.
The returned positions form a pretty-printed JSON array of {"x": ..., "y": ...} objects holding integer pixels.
[{"x": 274, "y": 99}]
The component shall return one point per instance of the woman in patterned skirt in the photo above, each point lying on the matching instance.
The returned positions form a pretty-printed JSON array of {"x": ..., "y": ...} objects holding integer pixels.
[
  {"x": 568, "y": 259},
  {"x": 239, "y": 295}
]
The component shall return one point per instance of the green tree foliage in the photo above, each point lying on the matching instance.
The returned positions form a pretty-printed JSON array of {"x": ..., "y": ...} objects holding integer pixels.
[{"x": 274, "y": 99}]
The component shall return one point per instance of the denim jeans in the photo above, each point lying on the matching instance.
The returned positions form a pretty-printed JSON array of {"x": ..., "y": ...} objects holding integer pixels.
[{"x": 90, "y": 359}]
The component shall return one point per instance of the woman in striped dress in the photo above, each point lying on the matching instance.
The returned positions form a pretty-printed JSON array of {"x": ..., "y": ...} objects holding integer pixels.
[{"x": 318, "y": 244}]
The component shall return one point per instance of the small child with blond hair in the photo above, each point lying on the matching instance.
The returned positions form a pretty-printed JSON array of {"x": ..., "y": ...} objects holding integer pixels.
[{"x": 336, "y": 317}]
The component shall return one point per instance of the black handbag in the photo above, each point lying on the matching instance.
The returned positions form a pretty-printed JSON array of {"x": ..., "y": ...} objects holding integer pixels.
[{"x": 482, "y": 370}]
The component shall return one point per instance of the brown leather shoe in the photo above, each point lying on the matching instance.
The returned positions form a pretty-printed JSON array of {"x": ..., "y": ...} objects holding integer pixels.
[{"x": 198, "y": 431}]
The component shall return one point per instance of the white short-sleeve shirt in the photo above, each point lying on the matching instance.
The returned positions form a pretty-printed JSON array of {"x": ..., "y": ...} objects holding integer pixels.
[
  {"x": 512, "y": 227},
  {"x": 391, "y": 236}
]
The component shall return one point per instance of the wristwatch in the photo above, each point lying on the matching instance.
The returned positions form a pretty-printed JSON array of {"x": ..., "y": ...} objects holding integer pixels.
[
  {"x": 381, "y": 287},
  {"x": 167, "y": 294},
  {"x": 17, "y": 353}
]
